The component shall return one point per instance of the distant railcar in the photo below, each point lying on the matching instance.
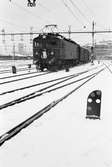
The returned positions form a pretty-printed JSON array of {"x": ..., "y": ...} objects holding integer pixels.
[
  {"x": 84, "y": 55},
  {"x": 54, "y": 52}
]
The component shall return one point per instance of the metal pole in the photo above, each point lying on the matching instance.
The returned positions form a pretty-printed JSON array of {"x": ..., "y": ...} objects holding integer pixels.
[
  {"x": 69, "y": 31},
  {"x": 92, "y": 48},
  {"x": 13, "y": 67},
  {"x": 14, "y": 53},
  {"x": 63, "y": 32},
  {"x": 93, "y": 33},
  {"x": 3, "y": 35}
]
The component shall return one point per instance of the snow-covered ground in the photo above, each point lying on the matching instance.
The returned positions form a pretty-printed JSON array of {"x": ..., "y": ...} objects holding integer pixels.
[
  {"x": 62, "y": 137},
  {"x": 5, "y": 63},
  {"x": 21, "y": 65}
]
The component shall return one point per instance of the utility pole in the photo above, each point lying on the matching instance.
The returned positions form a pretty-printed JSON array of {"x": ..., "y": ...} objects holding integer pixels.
[
  {"x": 69, "y": 31},
  {"x": 14, "y": 53},
  {"x": 93, "y": 33},
  {"x": 13, "y": 67},
  {"x": 31, "y": 35},
  {"x": 3, "y": 35},
  {"x": 92, "y": 48}
]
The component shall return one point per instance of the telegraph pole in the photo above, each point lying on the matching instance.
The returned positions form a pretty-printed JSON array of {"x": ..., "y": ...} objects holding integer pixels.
[
  {"x": 14, "y": 53},
  {"x": 69, "y": 31},
  {"x": 13, "y": 67},
  {"x": 92, "y": 48},
  {"x": 93, "y": 33},
  {"x": 3, "y": 36}
]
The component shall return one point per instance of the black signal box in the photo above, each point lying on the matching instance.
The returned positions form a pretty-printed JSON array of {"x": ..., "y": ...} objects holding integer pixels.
[{"x": 94, "y": 105}]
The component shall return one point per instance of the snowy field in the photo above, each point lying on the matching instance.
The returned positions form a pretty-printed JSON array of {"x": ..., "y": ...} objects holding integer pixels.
[
  {"x": 7, "y": 63},
  {"x": 62, "y": 137},
  {"x": 21, "y": 65}
]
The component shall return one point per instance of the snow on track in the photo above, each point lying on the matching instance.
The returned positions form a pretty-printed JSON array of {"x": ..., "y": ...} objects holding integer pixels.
[
  {"x": 18, "y": 113},
  {"x": 62, "y": 137}
]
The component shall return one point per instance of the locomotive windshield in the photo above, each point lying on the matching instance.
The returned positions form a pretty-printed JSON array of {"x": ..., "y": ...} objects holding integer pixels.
[{"x": 37, "y": 44}]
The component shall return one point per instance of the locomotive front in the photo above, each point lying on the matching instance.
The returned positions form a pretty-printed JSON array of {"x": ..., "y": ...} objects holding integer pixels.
[{"x": 45, "y": 51}]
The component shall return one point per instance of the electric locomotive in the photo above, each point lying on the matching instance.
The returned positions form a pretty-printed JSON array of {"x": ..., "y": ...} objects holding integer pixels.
[{"x": 54, "y": 52}]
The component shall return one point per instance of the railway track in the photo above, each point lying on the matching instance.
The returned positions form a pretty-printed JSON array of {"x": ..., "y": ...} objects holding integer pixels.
[
  {"x": 30, "y": 86},
  {"x": 18, "y": 70},
  {"x": 5, "y": 71},
  {"x": 12, "y": 132},
  {"x": 25, "y": 69},
  {"x": 44, "y": 90},
  {"x": 18, "y": 75},
  {"x": 20, "y": 79},
  {"x": 108, "y": 68},
  {"x": 41, "y": 83}
]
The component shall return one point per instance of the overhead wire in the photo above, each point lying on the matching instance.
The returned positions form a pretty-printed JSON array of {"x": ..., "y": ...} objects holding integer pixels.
[
  {"x": 11, "y": 23},
  {"x": 44, "y": 7},
  {"x": 78, "y": 9},
  {"x": 91, "y": 12},
  {"x": 29, "y": 12},
  {"x": 69, "y": 9},
  {"x": 65, "y": 4},
  {"x": 53, "y": 11},
  {"x": 88, "y": 8},
  {"x": 47, "y": 10}
]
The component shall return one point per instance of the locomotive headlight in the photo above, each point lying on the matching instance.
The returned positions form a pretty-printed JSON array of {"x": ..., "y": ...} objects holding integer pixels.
[
  {"x": 35, "y": 61},
  {"x": 52, "y": 53},
  {"x": 36, "y": 53},
  {"x": 37, "y": 44},
  {"x": 44, "y": 36}
]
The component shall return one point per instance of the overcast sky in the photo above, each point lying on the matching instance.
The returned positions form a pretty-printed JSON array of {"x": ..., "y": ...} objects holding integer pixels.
[{"x": 15, "y": 16}]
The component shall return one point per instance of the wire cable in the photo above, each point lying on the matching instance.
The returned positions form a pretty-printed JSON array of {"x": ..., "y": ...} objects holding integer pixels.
[
  {"x": 88, "y": 8},
  {"x": 81, "y": 13},
  {"x": 44, "y": 7},
  {"x": 69, "y": 9},
  {"x": 11, "y": 23},
  {"x": 91, "y": 12},
  {"x": 29, "y": 12}
]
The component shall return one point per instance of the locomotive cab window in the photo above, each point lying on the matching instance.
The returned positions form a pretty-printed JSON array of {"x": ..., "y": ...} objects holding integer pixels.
[{"x": 36, "y": 44}]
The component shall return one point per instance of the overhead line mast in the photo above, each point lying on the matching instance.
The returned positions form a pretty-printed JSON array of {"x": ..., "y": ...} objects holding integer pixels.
[
  {"x": 93, "y": 33},
  {"x": 63, "y": 32},
  {"x": 70, "y": 10}
]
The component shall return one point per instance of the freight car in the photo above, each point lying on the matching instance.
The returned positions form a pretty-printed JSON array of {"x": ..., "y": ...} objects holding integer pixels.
[
  {"x": 84, "y": 55},
  {"x": 54, "y": 52}
]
